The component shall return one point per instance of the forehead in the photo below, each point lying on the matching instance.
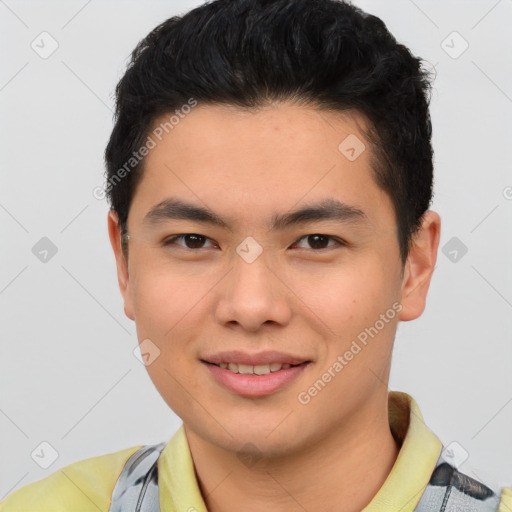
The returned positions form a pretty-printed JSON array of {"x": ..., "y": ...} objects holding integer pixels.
[
  {"x": 208, "y": 124},
  {"x": 260, "y": 160}
]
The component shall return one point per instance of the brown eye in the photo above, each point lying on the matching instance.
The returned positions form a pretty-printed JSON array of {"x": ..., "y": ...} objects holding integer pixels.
[
  {"x": 192, "y": 241},
  {"x": 318, "y": 241}
]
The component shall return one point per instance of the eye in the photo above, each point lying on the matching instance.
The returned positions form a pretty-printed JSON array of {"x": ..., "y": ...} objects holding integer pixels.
[
  {"x": 192, "y": 241},
  {"x": 317, "y": 239}
]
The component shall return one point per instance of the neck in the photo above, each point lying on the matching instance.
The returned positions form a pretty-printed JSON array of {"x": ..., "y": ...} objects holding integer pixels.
[{"x": 342, "y": 471}]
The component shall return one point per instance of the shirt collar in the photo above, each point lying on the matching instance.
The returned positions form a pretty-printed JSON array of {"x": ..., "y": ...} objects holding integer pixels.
[
  {"x": 417, "y": 458},
  {"x": 402, "y": 490}
]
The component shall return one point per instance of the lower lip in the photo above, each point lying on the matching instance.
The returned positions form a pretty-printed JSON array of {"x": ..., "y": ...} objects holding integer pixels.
[{"x": 255, "y": 385}]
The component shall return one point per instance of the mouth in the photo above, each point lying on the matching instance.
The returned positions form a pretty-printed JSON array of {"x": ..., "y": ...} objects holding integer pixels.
[
  {"x": 254, "y": 381},
  {"x": 261, "y": 369}
]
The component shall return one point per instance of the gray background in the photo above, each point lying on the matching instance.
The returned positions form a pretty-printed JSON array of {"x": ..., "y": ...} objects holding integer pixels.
[{"x": 68, "y": 375}]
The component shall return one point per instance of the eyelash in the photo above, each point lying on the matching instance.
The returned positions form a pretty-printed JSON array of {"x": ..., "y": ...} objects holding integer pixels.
[{"x": 170, "y": 241}]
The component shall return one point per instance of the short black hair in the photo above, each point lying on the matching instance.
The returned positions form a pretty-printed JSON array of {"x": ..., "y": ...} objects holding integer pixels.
[{"x": 327, "y": 54}]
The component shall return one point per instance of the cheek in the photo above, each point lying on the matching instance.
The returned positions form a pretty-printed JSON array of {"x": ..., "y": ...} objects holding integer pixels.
[
  {"x": 347, "y": 295},
  {"x": 167, "y": 306},
  {"x": 164, "y": 297}
]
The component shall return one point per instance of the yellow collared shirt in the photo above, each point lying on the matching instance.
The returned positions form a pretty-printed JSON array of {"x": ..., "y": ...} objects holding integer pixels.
[{"x": 87, "y": 485}]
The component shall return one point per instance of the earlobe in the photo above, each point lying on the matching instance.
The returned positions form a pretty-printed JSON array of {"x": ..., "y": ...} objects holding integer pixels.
[
  {"x": 114, "y": 234},
  {"x": 420, "y": 266}
]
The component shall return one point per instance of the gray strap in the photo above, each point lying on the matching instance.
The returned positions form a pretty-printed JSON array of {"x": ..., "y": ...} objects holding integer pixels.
[
  {"x": 136, "y": 489},
  {"x": 449, "y": 490}
]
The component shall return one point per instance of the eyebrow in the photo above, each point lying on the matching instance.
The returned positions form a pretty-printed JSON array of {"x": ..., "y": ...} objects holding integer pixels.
[{"x": 327, "y": 209}]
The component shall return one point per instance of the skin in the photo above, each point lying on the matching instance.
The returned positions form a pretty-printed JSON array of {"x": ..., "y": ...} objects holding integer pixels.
[{"x": 335, "y": 452}]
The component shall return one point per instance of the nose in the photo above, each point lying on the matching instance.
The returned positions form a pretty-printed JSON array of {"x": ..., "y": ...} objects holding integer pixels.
[{"x": 252, "y": 294}]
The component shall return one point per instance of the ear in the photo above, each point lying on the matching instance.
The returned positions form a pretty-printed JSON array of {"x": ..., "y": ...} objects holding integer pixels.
[
  {"x": 419, "y": 267},
  {"x": 114, "y": 233}
]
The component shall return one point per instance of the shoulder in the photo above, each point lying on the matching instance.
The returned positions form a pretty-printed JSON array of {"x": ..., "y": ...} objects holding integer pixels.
[
  {"x": 506, "y": 500},
  {"x": 83, "y": 486},
  {"x": 451, "y": 490}
]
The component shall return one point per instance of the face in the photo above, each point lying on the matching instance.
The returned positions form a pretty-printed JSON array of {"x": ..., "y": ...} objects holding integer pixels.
[{"x": 323, "y": 290}]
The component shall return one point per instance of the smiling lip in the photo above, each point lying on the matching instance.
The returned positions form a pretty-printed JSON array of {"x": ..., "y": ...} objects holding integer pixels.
[
  {"x": 260, "y": 358},
  {"x": 255, "y": 385}
]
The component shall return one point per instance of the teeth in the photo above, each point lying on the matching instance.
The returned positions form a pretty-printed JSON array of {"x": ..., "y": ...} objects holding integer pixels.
[
  {"x": 244, "y": 368},
  {"x": 262, "y": 369}
]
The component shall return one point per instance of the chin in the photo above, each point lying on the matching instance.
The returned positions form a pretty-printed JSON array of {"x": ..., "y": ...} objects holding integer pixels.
[{"x": 269, "y": 442}]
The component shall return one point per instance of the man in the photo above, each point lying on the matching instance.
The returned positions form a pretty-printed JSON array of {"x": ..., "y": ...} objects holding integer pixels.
[{"x": 269, "y": 175}]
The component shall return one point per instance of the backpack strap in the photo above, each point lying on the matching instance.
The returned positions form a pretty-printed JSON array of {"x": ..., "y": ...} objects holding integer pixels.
[
  {"x": 449, "y": 490},
  {"x": 136, "y": 489}
]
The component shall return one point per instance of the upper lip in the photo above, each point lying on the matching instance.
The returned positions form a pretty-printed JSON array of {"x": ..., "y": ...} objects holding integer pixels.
[{"x": 255, "y": 359}]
